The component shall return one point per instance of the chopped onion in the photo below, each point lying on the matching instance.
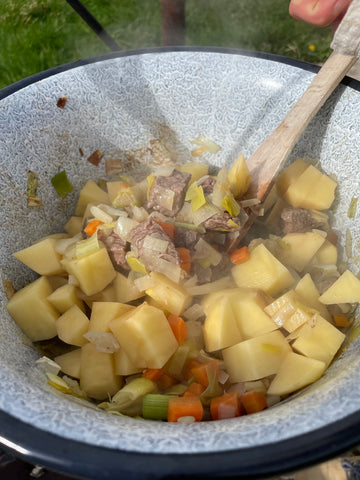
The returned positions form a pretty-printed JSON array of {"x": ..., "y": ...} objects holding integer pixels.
[
  {"x": 166, "y": 198},
  {"x": 238, "y": 388},
  {"x": 87, "y": 247},
  {"x": 114, "y": 212},
  {"x": 171, "y": 270},
  {"x": 103, "y": 341},
  {"x": 155, "y": 244},
  {"x": 163, "y": 171},
  {"x": 143, "y": 283},
  {"x": 249, "y": 202},
  {"x": 203, "y": 141},
  {"x": 139, "y": 213},
  {"x": 124, "y": 225},
  {"x": 222, "y": 283},
  {"x": 205, "y": 254},
  {"x": 204, "y": 213},
  {"x": 99, "y": 214},
  {"x": 223, "y": 377},
  {"x": 191, "y": 282},
  {"x": 195, "y": 312},
  {"x": 63, "y": 243},
  {"x": 47, "y": 365}
]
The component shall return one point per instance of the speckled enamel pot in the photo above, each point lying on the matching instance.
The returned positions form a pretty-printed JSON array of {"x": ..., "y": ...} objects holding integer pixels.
[{"x": 118, "y": 103}]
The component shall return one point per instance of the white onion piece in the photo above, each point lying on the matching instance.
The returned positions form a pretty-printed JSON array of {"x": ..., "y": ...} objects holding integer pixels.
[
  {"x": 250, "y": 202},
  {"x": 204, "y": 213},
  {"x": 204, "y": 250},
  {"x": 163, "y": 171},
  {"x": 166, "y": 198},
  {"x": 124, "y": 225},
  {"x": 139, "y": 213},
  {"x": 143, "y": 283},
  {"x": 237, "y": 387},
  {"x": 47, "y": 365},
  {"x": 195, "y": 333},
  {"x": 103, "y": 341},
  {"x": 203, "y": 141},
  {"x": 155, "y": 244},
  {"x": 114, "y": 212},
  {"x": 191, "y": 282},
  {"x": 63, "y": 243},
  {"x": 223, "y": 377},
  {"x": 99, "y": 214},
  {"x": 171, "y": 270},
  {"x": 194, "y": 312},
  {"x": 186, "y": 214}
]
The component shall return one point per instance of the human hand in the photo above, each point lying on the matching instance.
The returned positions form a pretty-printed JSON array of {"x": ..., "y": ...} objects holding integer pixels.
[{"x": 320, "y": 13}]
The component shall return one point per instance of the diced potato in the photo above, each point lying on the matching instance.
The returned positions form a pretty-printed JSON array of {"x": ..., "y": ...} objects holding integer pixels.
[
  {"x": 239, "y": 177},
  {"x": 312, "y": 189},
  {"x": 346, "y": 289},
  {"x": 196, "y": 169},
  {"x": 220, "y": 327},
  {"x": 318, "y": 339},
  {"x": 263, "y": 271},
  {"x": 326, "y": 255},
  {"x": 296, "y": 371},
  {"x": 106, "y": 295},
  {"x": 103, "y": 312},
  {"x": 93, "y": 272},
  {"x": 97, "y": 373},
  {"x": 42, "y": 257},
  {"x": 74, "y": 225},
  {"x": 125, "y": 289},
  {"x": 290, "y": 175},
  {"x": 309, "y": 294},
  {"x": 300, "y": 249},
  {"x": 170, "y": 295},
  {"x": 70, "y": 363},
  {"x": 90, "y": 193},
  {"x": 214, "y": 297},
  {"x": 256, "y": 358},
  {"x": 32, "y": 312},
  {"x": 72, "y": 325},
  {"x": 65, "y": 297},
  {"x": 145, "y": 335},
  {"x": 123, "y": 364}
]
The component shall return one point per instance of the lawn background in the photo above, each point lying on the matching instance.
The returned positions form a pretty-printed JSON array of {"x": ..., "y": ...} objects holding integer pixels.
[{"x": 40, "y": 34}]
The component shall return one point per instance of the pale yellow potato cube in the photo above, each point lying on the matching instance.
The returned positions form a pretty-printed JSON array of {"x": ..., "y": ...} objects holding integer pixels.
[
  {"x": 263, "y": 271},
  {"x": 326, "y": 255},
  {"x": 90, "y": 193},
  {"x": 65, "y": 297},
  {"x": 125, "y": 289},
  {"x": 123, "y": 364},
  {"x": 145, "y": 335},
  {"x": 239, "y": 177},
  {"x": 72, "y": 325},
  {"x": 70, "y": 363},
  {"x": 220, "y": 327},
  {"x": 106, "y": 295},
  {"x": 214, "y": 297},
  {"x": 94, "y": 272},
  {"x": 310, "y": 295},
  {"x": 346, "y": 289},
  {"x": 103, "y": 312},
  {"x": 171, "y": 296},
  {"x": 74, "y": 225},
  {"x": 32, "y": 312},
  {"x": 300, "y": 248},
  {"x": 97, "y": 373},
  {"x": 42, "y": 257},
  {"x": 290, "y": 174},
  {"x": 296, "y": 371},
  {"x": 256, "y": 358},
  {"x": 318, "y": 339},
  {"x": 196, "y": 170},
  {"x": 312, "y": 189}
]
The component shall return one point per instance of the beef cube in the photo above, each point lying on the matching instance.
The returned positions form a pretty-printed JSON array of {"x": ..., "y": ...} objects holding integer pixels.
[
  {"x": 167, "y": 194},
  {"x": 117, "y": 249},
  {"x": 220, "y": 222},
  {"x": 298, "y": 220},
  {"x": 207, "y": 183}
]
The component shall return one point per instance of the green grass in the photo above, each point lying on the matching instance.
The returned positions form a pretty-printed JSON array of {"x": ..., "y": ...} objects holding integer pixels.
[{"x": 39, "y": 34}]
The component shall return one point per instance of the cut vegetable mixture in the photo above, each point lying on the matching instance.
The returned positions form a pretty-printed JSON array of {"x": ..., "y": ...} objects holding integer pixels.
[{"x": 161, "y": 312}]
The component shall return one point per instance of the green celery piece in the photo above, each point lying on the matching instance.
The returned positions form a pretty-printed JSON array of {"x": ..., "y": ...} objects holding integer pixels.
[{"x": 155, "y": 406}]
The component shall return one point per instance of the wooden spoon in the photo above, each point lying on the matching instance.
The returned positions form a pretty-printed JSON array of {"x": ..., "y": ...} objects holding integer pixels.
[{"x": 267, "y": 161}]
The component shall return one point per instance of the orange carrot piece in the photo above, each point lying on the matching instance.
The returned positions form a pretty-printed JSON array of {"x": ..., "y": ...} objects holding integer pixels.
[
  {"x": 192, "y": 363},
  {"x": 226, "y": 406},
  {"x": 153, "y": 373},
  {"x": 340, "y": 320},
  {"x": 185, "y": 407},
  {"x": 185, "y": 258},
  {"x": 240, "y": 255},
  {"x": 195, "y": 389},
  {"x": 200, "y": 372},
  {"x": 166, "y": 381},
  {"x": 179, "y": 328},
  {"x": 253, "y": 402},
  {"x": 91, "y": 227},
  {"x": 168, "y": 228}
]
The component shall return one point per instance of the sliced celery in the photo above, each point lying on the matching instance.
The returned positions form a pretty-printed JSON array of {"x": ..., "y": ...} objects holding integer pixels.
[
  {"x": 86, "y": 247},
  {"x": 130, "y": 393},
  {"x": 155, "y": 406}
]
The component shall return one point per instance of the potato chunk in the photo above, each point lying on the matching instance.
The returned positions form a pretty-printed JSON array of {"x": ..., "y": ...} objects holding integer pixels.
[
  {"x": 145, "y": 335},
  {"x": 33, "y": 313},
  {"x": 123, "y": 364},
  {"x": 90, "y": 193},
  {"x": 290, "y": 174},
  {"x": 74, "y": 225},
  {"x": 72, "y": 325},
  {"x": 42, "y": 257},
  {"x": 125, "y": 289},
  {"x": 256, "y": 358},
  {"x": 103, "y": 312},
  {"x": 310, "y": 295},
  {"x": 263, "y": 271},
  {"x": 239, "y": 177},
  {"x": 171, "y": 296},
  {"x": 346, "y": 289},
  {"x": 70, "y": 363},
  {"x": 93, "y": 272},
  {"x": 65, "y": 297},
  {"x": 300, "y": 249},
  {"x": 295, "y": 372},
  {"x": 97, "y": 373}
]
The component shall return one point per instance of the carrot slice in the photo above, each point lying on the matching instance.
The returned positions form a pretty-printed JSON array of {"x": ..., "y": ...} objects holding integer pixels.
[
  {"x": 240, "y": 255},
  {"x": 200, "y": 372},
  {"x": 91, "y": 227},
  {"x": 168, "y": 228},
  {"x": 192, "y": 363},
  {"x": 185, "y": 407},
  {"x": 179, "y": 328},
  {"x": 195, "y": 389},
  {"x": 166, "y": 381},
  {"x": 226, "y": 406},
  {"x": 153, "y": 373},
  {"x": 253, "y": 401},
  {"x": 340, "y": 320},
  {"x": 185, "y": 258}
]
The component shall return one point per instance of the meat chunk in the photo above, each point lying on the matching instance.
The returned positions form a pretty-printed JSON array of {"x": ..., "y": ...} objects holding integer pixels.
[
  {"x": 167, "y": 194},
  {"x": 150, "y": 228},
  {"x": 220, "y": 222},
  {"x": 298, "y": 220},
  {"x": 207, "y": 183},
  {"x": 117, "y": 249}
]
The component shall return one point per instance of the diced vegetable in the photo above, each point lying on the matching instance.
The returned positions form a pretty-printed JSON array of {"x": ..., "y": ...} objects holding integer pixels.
[
  {"x": 155, "y": 406},
  {"x": 189, "y": 406},
  {"x": 226, "y": 406},
  {"x": 62, "y": 184},
  {"x": 240, "y": 255},
  {"x": 179, "y": 328},
  {"x": 253, "y": 402}
]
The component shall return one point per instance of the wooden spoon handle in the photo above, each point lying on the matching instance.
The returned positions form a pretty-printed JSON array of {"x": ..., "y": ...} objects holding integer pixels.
[{"x": 265, "y": 163}]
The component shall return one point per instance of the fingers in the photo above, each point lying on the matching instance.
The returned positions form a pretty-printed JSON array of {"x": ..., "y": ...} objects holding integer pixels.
[{"x": 320, "y": 13}]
